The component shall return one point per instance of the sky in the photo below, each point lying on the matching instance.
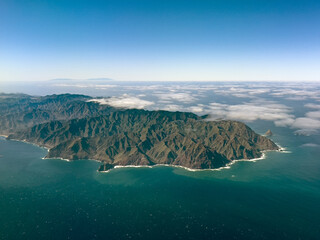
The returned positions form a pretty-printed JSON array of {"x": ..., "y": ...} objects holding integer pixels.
[{"x": 160, "y": 40}]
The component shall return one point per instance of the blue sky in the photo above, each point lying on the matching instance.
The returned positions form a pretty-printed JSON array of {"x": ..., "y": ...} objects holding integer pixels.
[{"x": 153, "y": 40}]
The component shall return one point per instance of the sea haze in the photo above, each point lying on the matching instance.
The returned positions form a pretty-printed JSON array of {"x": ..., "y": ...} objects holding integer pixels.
[{"x": 274, "y": 198}]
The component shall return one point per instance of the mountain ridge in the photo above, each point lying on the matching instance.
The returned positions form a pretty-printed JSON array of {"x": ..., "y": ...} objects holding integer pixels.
[{"x": 139, "y": 137}]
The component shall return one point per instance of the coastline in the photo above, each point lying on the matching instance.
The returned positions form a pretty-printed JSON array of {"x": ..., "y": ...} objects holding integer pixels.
[
  {"x": 70, "y": 160},
  {"x": 227, "y": 166},
  {"x": 25, "y": 141}
]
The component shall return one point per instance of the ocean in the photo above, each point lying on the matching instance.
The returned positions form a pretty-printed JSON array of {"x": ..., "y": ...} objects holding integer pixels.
[{"x": 274, "y": 198}]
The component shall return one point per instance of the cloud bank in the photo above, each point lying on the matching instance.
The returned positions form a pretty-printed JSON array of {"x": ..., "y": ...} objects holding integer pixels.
[
  {"x": 184, "y": 97},
  {"x": 124, "y": 101},
  {"x": 251, "y": 111},
  {"x": 254, "y": 101}
]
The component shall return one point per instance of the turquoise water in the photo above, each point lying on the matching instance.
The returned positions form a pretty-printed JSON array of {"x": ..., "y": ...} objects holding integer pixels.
[{"x": 275, "y": 198}]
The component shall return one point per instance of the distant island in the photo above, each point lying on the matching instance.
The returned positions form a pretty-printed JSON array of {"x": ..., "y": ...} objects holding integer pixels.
[{"x": 73, "y": 127}]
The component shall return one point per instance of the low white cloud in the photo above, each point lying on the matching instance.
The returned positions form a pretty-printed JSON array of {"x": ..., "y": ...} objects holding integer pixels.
[
  {"x": 315, "y": 114},
  {"x": 306, "y": 126},
  {"x": 172, "y": 108},
  {"x": 174, "y": 87},
  {"x": 184, "y": 97},
  {"x": 306, "y": 123},
  {"x": 306, "y": 132},
  {"x": 196, "y": 109},
  {"x": 280, "y": 114},
  {"x": 124, "y": 101},
  {"x": 312, "y": 105},
  {"x": 251, "y": 111},
  {"x": 241, "y": 92},
  {"x": 284, "y": 122},
  {"x": 297, "y": 93},
  {"x": 242, "y": 95},
  {"x": 297, "y": 98}
]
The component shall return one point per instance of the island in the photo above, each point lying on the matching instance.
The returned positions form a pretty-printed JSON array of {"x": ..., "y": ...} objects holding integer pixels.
[
  {"x": 268, "y": 133},
  {"x": 75, "y": 127}
]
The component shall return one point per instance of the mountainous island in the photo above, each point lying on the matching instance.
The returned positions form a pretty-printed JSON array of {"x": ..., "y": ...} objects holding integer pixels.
[{"x": 73, "y": 127}]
